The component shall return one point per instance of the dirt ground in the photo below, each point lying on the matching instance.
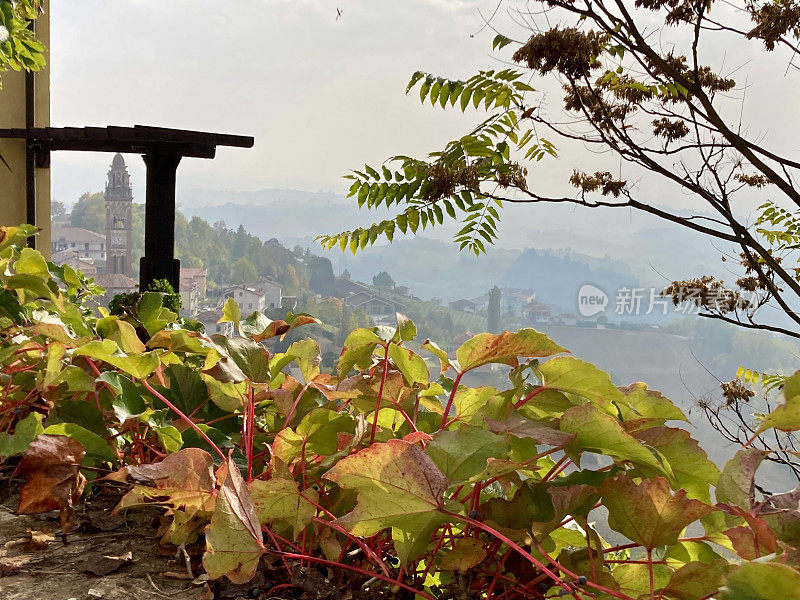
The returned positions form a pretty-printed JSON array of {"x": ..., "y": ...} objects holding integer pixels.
[{"x": 108, "y": 558}]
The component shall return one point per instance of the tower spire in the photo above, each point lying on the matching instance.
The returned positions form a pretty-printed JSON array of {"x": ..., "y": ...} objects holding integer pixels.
[{"x": 118, "y": 196}]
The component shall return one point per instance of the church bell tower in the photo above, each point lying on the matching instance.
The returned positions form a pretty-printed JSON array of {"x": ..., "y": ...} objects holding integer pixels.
[{"x": 118, "y": 196}]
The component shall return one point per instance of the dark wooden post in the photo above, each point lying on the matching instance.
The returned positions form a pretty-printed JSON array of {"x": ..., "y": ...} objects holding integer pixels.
[{"x": 159, "y": 260}]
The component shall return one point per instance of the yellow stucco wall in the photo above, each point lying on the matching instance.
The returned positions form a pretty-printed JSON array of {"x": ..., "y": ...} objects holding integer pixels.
[{"x": 12, "y": 114}]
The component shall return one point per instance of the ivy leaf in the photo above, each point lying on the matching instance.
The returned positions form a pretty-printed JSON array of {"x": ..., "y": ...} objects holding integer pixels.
[
  {"x": 520, "y": 427},
  {"x": 128, "y": 402},
  {"x": 597, "y": 431},
  {"x": 406, "y": 329},
  {"x": 122, "y": 332},
  {"x": 53, "y": 481},
  {"x": 641, "y": 403},
  {"x": 280, "y": 500},
  {"x": 306, "y": 354},
  {"x": 462, "y": 453},
  {"x": 785, "y": 417},
  {"x": 504, "y": 348},
  {"x": 649, "y": 513},
  {"x": 231, "y": 313},
  {"x": 357, "y": 351},
  {"x": 531, "y": 504},
  {"x": 24, "y": 433},
  {"x": 468, "y": 402},
  {"x": 318, "y": 430},
  {"x": 138, "y": 365},
  {"x": 31, "y": 262},
  {"x": 151, "y": 312},
  {"x": 572, "y": 375},
  {"x": 253, "y": 325},
  {"x": 411, "y": 365},
  {"x": 634, "y": 579},
  {"x": 762, "y": 581},
  {"x": 736, "y": 484},
  {"x": 280, "y": 327},
  {"x": 183, "y": 480},
  {"x": 251, "y": 357},
  {"x": 693, "y": 470},
  {"x": 466, "y": 554},
  {"x": 96, "y": 447},
  {"x": 398, "y": 486},
  {"x": 444, "y": 360},
  {"x": 233, "y": 539}
]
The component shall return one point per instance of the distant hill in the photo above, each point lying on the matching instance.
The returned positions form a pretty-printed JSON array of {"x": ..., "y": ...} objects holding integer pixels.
[{"x": 655, "y": 251}]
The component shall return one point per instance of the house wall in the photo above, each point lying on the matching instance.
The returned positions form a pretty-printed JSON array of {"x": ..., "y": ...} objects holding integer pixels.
[{"x": 12, "y": 115}]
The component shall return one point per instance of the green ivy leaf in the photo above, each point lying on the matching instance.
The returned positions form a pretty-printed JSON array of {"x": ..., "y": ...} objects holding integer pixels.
[
  {"x": 597, "y": 431},
  {"x": 762, "y": 581},
  {"x": 280, "y": 500},
  {"x": 233, "y": 540},
  {"x": 138, "y": 365},
  {"x": 398, "y": 486},
  {"x": 693, "y": 469},
  {"x": 649, "y": 513},
  {"x": 25, "y": 430},
  {"x": 504, "y": 348},
  {"x": 572, "y": 375},
  {"x": 95, "y": 446},
  {"x": 464, "y": 452}
]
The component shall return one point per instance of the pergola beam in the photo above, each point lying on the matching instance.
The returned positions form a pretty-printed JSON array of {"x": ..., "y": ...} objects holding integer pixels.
[{"x": 162, "y": 150}]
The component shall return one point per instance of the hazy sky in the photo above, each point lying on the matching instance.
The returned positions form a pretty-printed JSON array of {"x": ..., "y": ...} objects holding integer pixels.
[{"x": 319, "y": 95}]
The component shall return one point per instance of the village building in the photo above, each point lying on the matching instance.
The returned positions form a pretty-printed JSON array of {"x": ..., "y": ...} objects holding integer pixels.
[
  {"x": 376, "y": 306},
  {"x": 271, "y": 290},
  {"x": 114, "y": 283},
  {"x": 535, "y": 312},
  {"x": 192, "y": 289},
  {"x": 464, "y": 305},
  {"x": 209, "y": 320},
  {"x": 74, "y": 259},
  {"x": 87, "y": 244}
]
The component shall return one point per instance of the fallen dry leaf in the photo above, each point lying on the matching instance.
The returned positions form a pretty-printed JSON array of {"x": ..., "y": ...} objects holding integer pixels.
[
  {"x": 53, "y": 481},
  {"x": 103, "y": 565}
]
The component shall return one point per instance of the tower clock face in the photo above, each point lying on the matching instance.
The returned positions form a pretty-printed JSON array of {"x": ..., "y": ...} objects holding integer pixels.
[{"x": 117, "y": 238}]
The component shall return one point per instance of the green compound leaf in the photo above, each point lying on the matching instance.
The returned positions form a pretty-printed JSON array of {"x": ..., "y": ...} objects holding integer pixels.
[
  {"x": 596, "y": 431},
  {"x": 693, "y": 469}
]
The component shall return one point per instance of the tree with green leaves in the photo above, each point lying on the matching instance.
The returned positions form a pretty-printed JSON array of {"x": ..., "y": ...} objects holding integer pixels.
[
  {"x": 19, "y": 48},
  {"x": 89, "y": 212},
  {"x": 646, "y": 84},
  {"x": 493, "y": 310},
  {"x": 244, "y": 271},
  {"x": 645, "y": 96},
  {"x": 383, "y": 281}
]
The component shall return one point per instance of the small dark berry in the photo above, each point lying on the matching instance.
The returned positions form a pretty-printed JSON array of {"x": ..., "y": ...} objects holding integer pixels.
[
  {"x": 254, "y": 592},
  {"x": 563, "y": 592},
  {"x": 581, "y": 580},
  {"x": 542, "y": 587},
  {"x": 473, "y": 514}
]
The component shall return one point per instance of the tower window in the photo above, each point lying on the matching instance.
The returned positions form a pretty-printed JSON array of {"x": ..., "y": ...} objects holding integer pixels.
[{"x": 118, "y": 223}]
